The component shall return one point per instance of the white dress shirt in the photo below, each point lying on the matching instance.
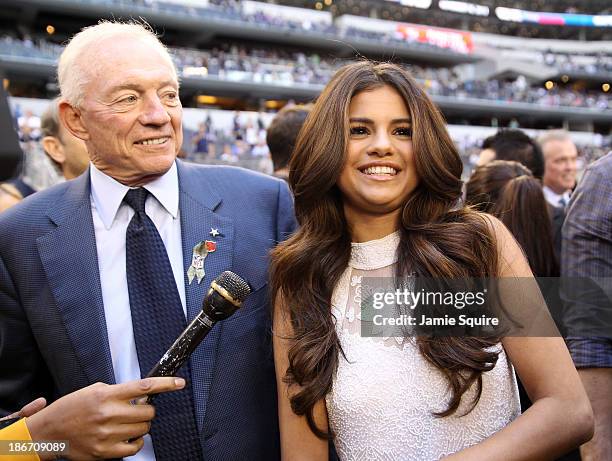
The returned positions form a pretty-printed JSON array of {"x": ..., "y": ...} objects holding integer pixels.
[
  {"x": 111, "y": 218},
  {"x": 555, "y": 199}
]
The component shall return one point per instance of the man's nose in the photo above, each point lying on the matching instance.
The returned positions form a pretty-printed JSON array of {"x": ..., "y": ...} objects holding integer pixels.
[{"x": 154, "y": 112}]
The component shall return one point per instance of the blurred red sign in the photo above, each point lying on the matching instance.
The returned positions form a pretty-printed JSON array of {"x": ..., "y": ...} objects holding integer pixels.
[{"x": 458, "y": 41}]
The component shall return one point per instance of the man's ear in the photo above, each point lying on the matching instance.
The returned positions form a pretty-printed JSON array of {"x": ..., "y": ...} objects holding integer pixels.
[
  {"x": 54, "y": 149},
  {"x": 71, "y": 119}
]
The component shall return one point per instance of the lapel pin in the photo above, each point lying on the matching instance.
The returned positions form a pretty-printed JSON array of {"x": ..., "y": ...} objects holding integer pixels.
[
  {"x": 214, "y": 232},
  {"x": 200, "y": 251}
]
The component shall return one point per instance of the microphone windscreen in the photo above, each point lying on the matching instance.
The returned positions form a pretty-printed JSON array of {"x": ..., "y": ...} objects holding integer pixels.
[{"x": 234, "y": 285}]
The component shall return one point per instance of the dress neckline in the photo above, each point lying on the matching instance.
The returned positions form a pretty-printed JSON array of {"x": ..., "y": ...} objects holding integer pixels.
[{"x": 375, "y": 254}]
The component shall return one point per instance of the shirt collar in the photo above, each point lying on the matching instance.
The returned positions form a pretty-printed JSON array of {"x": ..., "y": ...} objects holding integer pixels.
[
  {"x": 107, "y": 193},
  {"x": 554, "y": 198}
]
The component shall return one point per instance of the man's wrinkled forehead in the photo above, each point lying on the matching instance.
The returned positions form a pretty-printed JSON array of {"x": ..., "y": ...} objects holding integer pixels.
[{"x": 126, "y": 57}]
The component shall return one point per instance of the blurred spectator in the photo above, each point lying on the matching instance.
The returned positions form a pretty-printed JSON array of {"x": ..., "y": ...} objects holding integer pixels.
[
  {"x": 560, "y": 155},
  {"x": 29, "y": 127},
  {"x": 201, "y": 140},
  {"x": 513, "y": 145},
  {"x": 282, "y": 136},
  {"x": 251, "y": 135},
  {"x": 67, "y": 152},
  {"x": 587, "y": 257},
  {"x": 509, "y": 191}
]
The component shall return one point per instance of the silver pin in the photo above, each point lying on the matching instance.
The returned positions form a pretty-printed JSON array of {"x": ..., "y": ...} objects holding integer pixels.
[{"x": 214, "y": 232}]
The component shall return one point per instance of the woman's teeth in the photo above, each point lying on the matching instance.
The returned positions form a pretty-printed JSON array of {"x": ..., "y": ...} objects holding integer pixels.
[{"x": 380, "y": 170}]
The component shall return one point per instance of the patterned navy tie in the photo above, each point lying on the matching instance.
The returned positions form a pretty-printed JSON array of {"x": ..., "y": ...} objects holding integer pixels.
[{"x": 158, "y": 319}]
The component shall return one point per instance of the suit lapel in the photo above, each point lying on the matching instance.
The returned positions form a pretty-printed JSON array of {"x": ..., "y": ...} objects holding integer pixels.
[
  {"x": 69, "y": 257},
  {"x": 197, "y": 204}
]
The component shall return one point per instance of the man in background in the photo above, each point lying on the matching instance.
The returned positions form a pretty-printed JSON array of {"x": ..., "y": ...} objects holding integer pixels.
[
  {"x": 282, "y": 135},
  {"x": 67, "y": 152},
  {"x": 513, "y": 145},
  {"x": 560, "y": 155},
  {"x": 586, "y": 268}
]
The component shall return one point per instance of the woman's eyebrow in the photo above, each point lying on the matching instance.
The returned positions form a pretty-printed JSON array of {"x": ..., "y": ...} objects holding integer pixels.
[
  {"x": 370, "y": 121},
  {"x": 360, "y": 120}
]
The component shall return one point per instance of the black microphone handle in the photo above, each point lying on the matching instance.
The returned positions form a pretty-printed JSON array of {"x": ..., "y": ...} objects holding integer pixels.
[
  {"x": 183, "y": 347},
  {"x": 216, "y": 307}
]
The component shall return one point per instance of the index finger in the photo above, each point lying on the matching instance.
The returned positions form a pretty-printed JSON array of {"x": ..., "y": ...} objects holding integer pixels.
[
  {"x": 33, "y": 407},
  {"x": 147, "y": 386}
]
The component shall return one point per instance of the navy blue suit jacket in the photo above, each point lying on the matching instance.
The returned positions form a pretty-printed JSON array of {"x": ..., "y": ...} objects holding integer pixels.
[{"x": 53, "y": 337}]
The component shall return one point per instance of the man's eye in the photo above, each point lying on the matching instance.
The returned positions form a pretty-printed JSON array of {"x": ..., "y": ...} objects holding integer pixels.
[
  {"x": 171, "y": 98},
  {"x": 407, "y": 132},
  {"x": 128, "y": 99},
  {"x": 359, "y": 130}
]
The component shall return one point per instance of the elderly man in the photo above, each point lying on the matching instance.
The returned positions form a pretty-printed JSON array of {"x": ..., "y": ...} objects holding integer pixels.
[
  {"x": 99, "y": 275},
  {"x": 560, "y": 155}
]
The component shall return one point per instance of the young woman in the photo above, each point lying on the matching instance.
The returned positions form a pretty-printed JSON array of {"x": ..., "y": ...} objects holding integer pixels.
[{"x": 377, "y": 191}]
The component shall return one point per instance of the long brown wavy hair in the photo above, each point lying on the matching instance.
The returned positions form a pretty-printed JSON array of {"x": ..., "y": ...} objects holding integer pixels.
[
  {"x": 509, "y": 191},
  {"x": 438, "y": 237}
]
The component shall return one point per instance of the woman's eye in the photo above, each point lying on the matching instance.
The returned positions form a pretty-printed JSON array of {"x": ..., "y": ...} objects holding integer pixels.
[
  {"x": 407, "y": 132},
  {"x": 359, "y": 130}
]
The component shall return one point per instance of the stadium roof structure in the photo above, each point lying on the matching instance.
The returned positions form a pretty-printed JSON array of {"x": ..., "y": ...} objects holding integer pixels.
[
  {"x": 206, "y": 24},
  {"x": 588, "y": 20}
]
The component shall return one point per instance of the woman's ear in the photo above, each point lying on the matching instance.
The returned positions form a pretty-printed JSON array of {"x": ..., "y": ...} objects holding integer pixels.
[{"x": 71, "y": 118}]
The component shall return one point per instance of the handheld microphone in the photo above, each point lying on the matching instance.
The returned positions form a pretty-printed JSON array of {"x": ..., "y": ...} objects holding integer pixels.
[{"x": 226, "y": 294}]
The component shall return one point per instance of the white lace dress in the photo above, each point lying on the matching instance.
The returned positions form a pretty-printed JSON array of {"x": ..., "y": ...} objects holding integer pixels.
[{"x": 381, "y": 403}]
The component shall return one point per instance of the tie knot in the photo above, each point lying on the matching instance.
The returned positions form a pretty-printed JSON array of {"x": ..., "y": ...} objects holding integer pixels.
[{"x": 136, "y": 198}]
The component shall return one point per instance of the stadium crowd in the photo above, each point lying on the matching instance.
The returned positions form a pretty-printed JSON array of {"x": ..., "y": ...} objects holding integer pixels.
[
  {"x": 600, "y": 63},
  {"x": 284, "y": 67}
]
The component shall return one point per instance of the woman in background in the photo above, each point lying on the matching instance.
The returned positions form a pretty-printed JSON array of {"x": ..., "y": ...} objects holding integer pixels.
[
  {"x": 377, "y": 191},
  {"x": 508, "y": 191}
]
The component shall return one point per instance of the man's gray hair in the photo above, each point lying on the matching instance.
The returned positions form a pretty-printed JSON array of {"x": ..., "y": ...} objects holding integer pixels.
[
  {"x": 73, "y": 72},
  {"x": 554, "y": 135}
]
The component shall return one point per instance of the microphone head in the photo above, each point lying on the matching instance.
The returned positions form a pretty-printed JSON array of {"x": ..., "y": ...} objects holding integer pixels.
[
  {"x": 226, "y": 294},
  {"x": 235, "y": 286}
]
